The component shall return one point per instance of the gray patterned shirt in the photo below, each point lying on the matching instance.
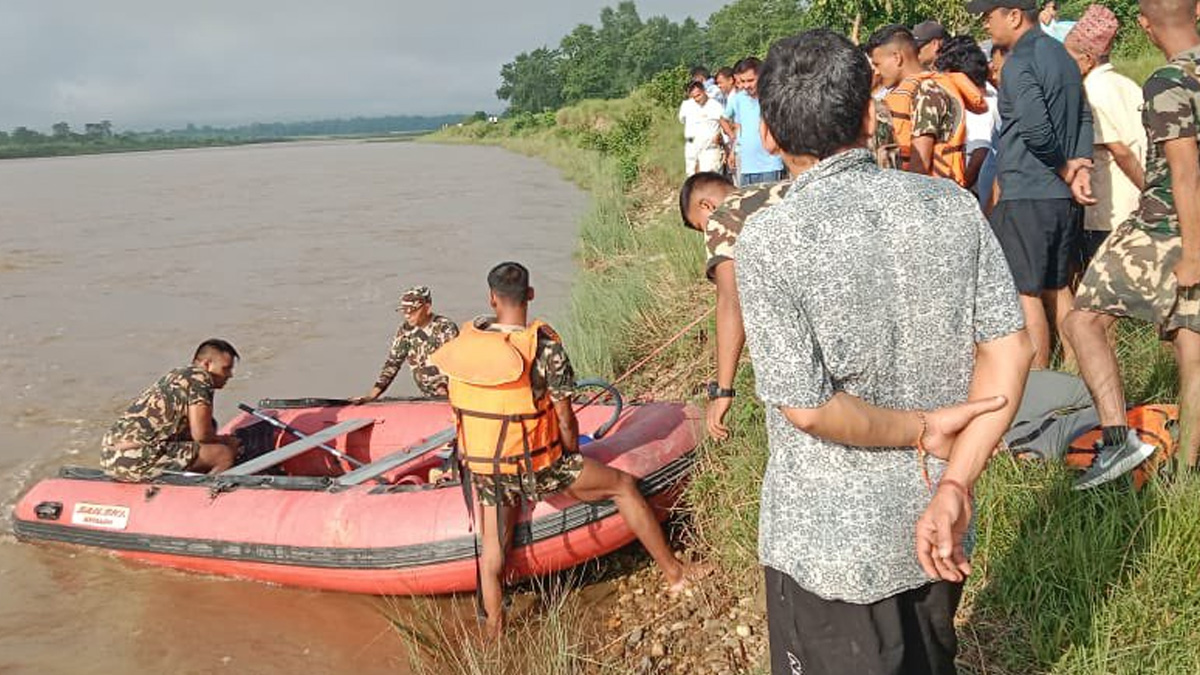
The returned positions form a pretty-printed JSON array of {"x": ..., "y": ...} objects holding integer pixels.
[{"x": 876, "y": 283}]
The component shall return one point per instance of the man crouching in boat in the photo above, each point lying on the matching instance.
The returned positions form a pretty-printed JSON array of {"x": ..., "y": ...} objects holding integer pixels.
[
  {"x": 170, "y": 426},
  {"x": 419, "y": 336},
  {"x": 511, "y": 387}
]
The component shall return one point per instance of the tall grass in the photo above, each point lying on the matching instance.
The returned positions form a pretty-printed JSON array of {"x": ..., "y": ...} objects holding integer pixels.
[{"x": 1106, "y": 581}]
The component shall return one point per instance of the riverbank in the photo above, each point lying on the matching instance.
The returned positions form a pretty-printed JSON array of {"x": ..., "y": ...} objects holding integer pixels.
[
  {"x": 51, "y": 147},
  {"x": 1100, "y": 582}
]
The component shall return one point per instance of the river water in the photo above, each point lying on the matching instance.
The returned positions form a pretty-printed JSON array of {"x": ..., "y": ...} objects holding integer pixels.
[{"x": 113, "y": 268}]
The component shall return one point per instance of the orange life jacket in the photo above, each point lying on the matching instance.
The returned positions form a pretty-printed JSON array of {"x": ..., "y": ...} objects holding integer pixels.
[
  {"x": 501, "y": 428},
  {"x": 1153, "y": 425},
  {"x": 949, "y": 157}
]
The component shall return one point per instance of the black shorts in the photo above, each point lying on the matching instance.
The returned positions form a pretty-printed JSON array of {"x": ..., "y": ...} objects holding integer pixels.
[
  {"x": 907, "y": 634},
  {"x": 1041, "y": 240}
]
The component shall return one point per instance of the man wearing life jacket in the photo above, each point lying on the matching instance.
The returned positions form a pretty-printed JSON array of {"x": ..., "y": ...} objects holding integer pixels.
[
  {"x": 928, "y": 110},
  {"x": 511, "y": 388}
]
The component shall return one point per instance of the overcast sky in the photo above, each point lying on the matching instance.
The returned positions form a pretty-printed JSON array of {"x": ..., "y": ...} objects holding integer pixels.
[{"x": 150, "y": 63}]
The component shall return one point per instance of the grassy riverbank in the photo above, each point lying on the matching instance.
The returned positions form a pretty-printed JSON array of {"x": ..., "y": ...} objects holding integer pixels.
[{"x": 1101, "y": 582}]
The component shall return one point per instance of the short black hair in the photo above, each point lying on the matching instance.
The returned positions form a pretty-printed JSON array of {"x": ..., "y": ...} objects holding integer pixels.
[
  {"x": 510, "y": 280},
  {"x": 693, "y": 85},
  {"x": 693, "y": 183},
  {"x": 814, "y": 90},
  {"x": 748, "y": 63},
  {"x": 725, "y": 72},
  {"x": 961, "y": 54},
  {"x": 891, "y": 34},
  {"x": 215, "y": 345},
  {"x": 700, "y": 72}
]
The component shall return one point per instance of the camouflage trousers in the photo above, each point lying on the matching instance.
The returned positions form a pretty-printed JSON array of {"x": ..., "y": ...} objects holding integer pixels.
[
  {"x": 1133, "y": 275},
  {"x": 146, "y": 462},
  {"x": 511, "y": 490}
]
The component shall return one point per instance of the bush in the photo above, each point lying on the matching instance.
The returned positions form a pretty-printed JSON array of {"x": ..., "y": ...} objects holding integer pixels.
[{"x": 666, "y": 88}]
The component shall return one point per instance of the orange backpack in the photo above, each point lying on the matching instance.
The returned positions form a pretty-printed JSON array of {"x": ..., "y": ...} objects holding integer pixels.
[{"x": 1153, "y": 425}]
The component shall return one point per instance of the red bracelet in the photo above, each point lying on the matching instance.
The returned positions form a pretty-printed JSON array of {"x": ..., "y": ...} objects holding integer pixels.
[{"x": 962, "y": 489}]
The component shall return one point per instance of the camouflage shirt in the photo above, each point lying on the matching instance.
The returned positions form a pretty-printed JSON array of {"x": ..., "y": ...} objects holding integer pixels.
[
  {"x": 1171, "y": 111},
  {"x": 160, "y": 414},
  {"x": 725, "y": 223},
  {"x": 414, "y": 345},
  {"x": 935, "y": 112},
  {"x": 552, "y": 370},
  {"x": 883, "y": 142}
]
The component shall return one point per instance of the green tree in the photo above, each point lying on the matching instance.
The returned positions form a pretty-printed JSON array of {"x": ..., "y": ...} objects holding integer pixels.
[
  {"x": 61, "y": 130},
  {"x": 748, "y": 27},
  {"x": 530, "y": 83},
  {"x": 582, "y": 66},
  {"x": 859, "y": 18},
  {"x": 25, "y": 135}
]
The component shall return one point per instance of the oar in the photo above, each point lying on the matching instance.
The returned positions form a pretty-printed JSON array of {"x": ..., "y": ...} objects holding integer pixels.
[{"x": 298, "y": 434}]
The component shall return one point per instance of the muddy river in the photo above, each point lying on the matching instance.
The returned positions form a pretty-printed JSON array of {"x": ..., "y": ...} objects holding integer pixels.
[{"x": 113, "y": 268}]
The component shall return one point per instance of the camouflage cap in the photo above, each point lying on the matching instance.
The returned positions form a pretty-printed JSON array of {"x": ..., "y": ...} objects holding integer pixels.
[{"x": 415, "y": 297}]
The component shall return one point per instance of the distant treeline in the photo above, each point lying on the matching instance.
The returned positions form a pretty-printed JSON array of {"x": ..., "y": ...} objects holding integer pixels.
[
  {"x": 623, "y": 51},
  {"x": 99, "y": 137}
]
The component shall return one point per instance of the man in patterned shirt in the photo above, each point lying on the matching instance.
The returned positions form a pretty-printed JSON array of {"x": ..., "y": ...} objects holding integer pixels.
[
  {"x": 419, "y": 336},
  {"x": 582, "y": 478},
  {"x": 170, "y": 426},
  {"x": 868, "y": 296},
  {"x": 1149, "y": 267}
]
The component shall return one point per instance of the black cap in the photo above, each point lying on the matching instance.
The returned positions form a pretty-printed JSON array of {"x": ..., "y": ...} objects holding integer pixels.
[
  {"x": 928, "y": 31},
  {"x": 985, "y": 6}
]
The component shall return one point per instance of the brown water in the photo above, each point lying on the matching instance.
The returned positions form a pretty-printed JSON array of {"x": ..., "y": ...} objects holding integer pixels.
[{"x": 112, "y": 269}]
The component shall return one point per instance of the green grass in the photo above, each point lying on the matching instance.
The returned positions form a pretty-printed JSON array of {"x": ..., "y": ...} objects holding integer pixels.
[
  {"x": 1138, "y": 68},
  {"x": 1102, "y": 582}
]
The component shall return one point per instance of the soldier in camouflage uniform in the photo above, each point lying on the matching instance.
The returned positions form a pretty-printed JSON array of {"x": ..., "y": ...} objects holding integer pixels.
[
  {"x": 419, "y": 336},
  {"x": 579, "y": 477},
  {"x": 170, "y": 426},
  {"x": 712, "y": 205},
  {"x": 1149, "y": 267}
]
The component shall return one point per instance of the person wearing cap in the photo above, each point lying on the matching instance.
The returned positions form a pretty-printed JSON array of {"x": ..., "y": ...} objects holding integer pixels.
[
  {"x": 1149, "y": 267},
  {"x": 1044, "y": 155},
  {"x": 1120, "y": 138},
  {"x": 421, "y": 334},
  {"x": 929, "y": 36}
]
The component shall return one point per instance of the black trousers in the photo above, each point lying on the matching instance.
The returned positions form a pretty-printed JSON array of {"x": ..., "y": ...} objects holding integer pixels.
[{"x": 907, "y": 634}]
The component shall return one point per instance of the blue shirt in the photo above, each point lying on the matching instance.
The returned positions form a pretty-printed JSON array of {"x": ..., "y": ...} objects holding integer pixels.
[{"x": 752, "y": 157}]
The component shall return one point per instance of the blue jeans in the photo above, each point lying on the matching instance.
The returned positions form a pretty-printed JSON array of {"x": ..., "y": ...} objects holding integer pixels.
[{"x": 747, "y": 179}]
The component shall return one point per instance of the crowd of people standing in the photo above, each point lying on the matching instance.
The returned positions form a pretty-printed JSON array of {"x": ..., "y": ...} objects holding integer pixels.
[{"x": 953, "y": 210}]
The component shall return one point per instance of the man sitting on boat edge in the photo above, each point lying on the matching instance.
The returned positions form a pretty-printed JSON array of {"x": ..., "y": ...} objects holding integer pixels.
[
  {"x": 511, "y": 388},
  {"x": 421, "y": 334},
  {"x": 170, "y": 426}
]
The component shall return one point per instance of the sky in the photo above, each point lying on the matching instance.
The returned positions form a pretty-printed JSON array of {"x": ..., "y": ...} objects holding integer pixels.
[{"x": 145, "y": 64}]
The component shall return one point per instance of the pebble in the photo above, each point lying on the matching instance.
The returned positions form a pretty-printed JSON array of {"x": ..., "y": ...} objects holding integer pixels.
[
  {"x": 678, "y": 626},
  {"x": 635, "y": 638},
  {"x": 657, "y": 649},
  {"x": 711, "y": 624},
  {"x": 743, "y": 631}
]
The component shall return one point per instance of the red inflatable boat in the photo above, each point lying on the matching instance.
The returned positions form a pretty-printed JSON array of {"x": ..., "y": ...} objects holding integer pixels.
[{"x": 345, "y": 501}]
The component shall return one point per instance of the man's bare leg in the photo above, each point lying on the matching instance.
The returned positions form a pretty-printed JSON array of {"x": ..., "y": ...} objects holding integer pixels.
[
  {"x": 493, "y": 552},
  {"x": 1088, "y": 334},
  {"x": 1038, "y": 328},
  {"x": 213, "y": 458},
  {"x": 598, "y": 481},
  {"x": 1187, "y": 355},
  {"x": 1058, "y": 303}
]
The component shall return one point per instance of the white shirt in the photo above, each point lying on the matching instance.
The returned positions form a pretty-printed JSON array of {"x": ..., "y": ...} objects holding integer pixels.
[
  {"x": 701, "y": 124},
  {"x": 1116, "y": 118},
  {"x": 981, "y": 133}
]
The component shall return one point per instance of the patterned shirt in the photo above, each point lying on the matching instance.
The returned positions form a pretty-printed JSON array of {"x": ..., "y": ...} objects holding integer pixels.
[
  {"x": 552, "y": 370},
  {"x": 879, "y": 284},
  {"x": 1171, "y": 111},
  {"x": 414, "y": 345},
  {"x": 935, "y": 112},
  {"x": 160, "y": 414},
  {"x": 725, "y": 223}
]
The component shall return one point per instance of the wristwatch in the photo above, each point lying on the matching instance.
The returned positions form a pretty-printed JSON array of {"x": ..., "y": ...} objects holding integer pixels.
[{"x": 715, "y": 391}]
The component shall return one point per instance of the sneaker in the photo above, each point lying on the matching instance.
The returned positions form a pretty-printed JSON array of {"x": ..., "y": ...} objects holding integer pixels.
[{"x": 1113, "y": 462}]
